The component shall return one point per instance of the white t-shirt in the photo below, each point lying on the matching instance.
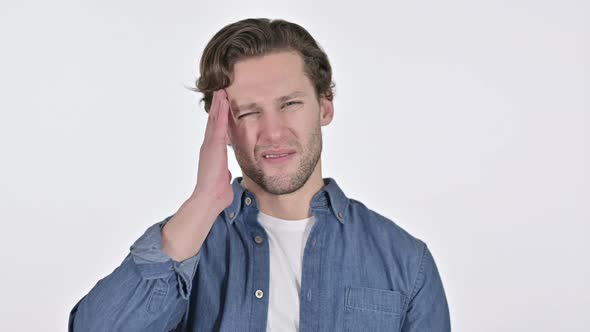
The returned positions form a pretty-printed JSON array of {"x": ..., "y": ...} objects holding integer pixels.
[{"x": 286, "y": 241}]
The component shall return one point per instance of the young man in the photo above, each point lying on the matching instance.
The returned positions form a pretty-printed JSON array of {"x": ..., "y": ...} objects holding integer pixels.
[{"x": 280, "y": 248}]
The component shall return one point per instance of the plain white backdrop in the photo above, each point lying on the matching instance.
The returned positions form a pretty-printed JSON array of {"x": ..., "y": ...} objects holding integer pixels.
[{"x": 465, "y": 122}]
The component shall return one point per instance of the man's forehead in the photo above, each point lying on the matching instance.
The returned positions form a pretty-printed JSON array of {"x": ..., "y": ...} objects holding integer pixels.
[
  {"x": 279, "y": 62},
  {"x": 268, "y": 74},
  {"x": 270, "y": 78}
]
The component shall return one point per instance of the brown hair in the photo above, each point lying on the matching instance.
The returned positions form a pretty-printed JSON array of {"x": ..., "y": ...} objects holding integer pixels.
[{"x": 257, "y": 37}]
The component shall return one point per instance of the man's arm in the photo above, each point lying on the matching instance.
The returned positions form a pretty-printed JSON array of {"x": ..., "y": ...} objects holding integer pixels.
[
  {"x": 149, "y": 291},
  {"x": 428, "y": 309}
]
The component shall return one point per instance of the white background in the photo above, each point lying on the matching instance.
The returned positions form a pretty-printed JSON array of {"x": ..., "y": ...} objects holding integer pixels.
[{"x": 466, "y": 122}]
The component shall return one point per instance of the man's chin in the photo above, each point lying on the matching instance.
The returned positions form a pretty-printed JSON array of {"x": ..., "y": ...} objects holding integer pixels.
[{"x": 280, "y": 184}]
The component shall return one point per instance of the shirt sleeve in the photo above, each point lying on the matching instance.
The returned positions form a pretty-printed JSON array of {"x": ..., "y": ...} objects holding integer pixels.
[
  {"x": 149, "y": 291},
  {"x": 428, "y": 309}
]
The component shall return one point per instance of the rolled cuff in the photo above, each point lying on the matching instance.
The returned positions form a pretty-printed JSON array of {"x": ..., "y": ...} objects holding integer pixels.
[{"x": 152, "y": 262}]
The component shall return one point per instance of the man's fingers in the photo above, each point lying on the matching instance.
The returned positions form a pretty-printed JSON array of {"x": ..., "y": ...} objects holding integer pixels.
[
  {"x": 209, "y": 130},
  {"x": 221, "y": 115},
  {"x": 217, "y": 122},
  {"x": 215, "y": 105}
]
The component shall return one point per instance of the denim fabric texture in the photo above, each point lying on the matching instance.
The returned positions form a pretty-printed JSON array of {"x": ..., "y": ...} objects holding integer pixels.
[{"x": 360, "y": 272}]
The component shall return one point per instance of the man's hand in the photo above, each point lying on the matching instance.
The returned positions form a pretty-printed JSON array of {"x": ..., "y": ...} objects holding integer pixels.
[
  {"x": 214, "y": 177},
  {"x": 184, "y": 234}
]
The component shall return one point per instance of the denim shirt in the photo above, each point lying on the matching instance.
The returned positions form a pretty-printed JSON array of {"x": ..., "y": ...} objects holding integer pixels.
[{"x": 360, "y": 272}]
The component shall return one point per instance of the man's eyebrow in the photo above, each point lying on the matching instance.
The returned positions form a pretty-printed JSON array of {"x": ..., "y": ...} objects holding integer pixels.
[{"x": 278, "y": 100}]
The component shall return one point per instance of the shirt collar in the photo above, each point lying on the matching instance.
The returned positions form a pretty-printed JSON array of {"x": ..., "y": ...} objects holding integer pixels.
[{"x": 330, "y": 195}]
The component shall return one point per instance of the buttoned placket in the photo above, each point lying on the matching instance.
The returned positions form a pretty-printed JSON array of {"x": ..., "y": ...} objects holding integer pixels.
[
  {"x": 310, "y": 274},
  {"x": 259, "y": 265}
]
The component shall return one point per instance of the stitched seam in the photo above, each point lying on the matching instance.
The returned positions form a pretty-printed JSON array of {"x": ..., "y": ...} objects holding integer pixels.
[
  {"x": 321, "y": 253},
  {"x": 157, "y": 296},
  {"x": 387, "y": 312},
  {"x": 419, "y": 274}
]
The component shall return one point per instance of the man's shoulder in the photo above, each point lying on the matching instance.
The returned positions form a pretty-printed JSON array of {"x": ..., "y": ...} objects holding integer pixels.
[{"x": 383, "y": 230}]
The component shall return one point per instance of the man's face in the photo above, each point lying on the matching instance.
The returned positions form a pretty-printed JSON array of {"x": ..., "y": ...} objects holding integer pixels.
[{"x": 274, "y": 110}]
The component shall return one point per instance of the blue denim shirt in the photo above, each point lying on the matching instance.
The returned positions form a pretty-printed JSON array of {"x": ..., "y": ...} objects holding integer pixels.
[{"x": 360, "y": 272}]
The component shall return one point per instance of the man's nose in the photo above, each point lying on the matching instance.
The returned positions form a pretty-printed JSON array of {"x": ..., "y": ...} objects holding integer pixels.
[{"x": 272, "y": 125}]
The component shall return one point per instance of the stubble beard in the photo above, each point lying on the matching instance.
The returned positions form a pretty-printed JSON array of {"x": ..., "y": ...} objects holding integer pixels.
[{"x": 285, "y": 183}]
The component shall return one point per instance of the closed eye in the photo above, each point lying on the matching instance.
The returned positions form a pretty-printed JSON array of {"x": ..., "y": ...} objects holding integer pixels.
[
  {"x": 243, "y": 115},
  {"x": 292, "y": 103}
]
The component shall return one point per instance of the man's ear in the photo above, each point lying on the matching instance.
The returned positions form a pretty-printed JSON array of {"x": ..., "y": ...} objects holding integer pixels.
[{"x": 326, "y": 111}]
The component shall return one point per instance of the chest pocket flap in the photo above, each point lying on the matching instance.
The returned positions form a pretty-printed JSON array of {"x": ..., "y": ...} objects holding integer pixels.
[{"x": 381, "y": 300}]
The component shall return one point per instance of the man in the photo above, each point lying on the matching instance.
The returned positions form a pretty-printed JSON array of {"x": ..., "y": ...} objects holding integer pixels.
[{"x": 280, "y": 248}]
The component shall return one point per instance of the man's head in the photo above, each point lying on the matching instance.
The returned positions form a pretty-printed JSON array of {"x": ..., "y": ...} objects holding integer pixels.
[
  {"x": 278, "y": 82},
  {"x": 256, "y": 37}
]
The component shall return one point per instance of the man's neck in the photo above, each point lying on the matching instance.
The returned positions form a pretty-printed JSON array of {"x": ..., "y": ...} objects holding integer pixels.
[{"x": 292, "y": 206}]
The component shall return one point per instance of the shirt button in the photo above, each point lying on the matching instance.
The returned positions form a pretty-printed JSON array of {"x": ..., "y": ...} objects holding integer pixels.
[
  {"x": 248, "y": 200},
  {"x": 231, "y": 215},
  {"x": 340, "y": 215},
  {"x": 258, "y": 239},
  {"x": 259, "y": 294}
]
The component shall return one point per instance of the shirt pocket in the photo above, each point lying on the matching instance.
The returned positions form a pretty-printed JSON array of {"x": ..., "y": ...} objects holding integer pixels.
[{"x": 372, "y": 309}]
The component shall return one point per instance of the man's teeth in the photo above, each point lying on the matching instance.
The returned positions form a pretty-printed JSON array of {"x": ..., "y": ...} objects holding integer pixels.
[{"x": 275, "y": 155}]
